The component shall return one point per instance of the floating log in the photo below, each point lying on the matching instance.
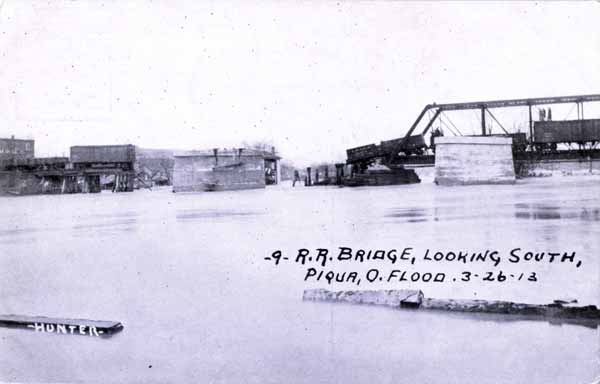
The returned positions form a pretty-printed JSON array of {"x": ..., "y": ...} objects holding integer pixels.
[
  {"x": 404, "y": 298},
  {"x": 507, "y": 307},
  {"x": 559, "y": 309},
  {"x": 94, "y": 328}
]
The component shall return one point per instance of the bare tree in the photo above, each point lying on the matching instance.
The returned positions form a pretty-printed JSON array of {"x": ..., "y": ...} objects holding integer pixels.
[
  {"x": 167, "y": 166},
  {"x": 263, "y": 146}
]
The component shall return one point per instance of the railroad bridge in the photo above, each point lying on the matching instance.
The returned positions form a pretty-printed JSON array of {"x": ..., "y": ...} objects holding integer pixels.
[{"x": 581, "y": 135}]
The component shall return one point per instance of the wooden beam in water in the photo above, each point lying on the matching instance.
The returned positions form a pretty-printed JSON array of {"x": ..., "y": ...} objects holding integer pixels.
[
  {"x": 82, "y": 327},
  {"x": 559, "y": 311}
]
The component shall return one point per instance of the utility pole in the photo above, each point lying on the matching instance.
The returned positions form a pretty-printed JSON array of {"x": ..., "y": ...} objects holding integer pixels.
[
  {"x": 483, "y": 132},
  {"x": 530, "y": 125}
]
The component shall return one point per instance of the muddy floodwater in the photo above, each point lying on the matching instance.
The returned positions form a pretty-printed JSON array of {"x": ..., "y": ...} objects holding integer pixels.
[{"x": 186, "y": 275}]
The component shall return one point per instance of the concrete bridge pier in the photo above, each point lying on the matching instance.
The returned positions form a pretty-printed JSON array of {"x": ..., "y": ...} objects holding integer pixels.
[{"x": 466, "y": 160}]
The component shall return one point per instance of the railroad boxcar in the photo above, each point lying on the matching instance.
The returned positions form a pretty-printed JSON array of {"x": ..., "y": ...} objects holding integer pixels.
[
  {"x": 91, "y": 154},
  {"x": 550, "y": 133}
]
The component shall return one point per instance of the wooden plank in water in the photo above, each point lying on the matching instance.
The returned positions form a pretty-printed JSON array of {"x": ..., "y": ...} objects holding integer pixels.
[
  {"x": 83, "y": 327},
  {"x": 403, "y": 298},
  {"x": 565, "y": 309}
]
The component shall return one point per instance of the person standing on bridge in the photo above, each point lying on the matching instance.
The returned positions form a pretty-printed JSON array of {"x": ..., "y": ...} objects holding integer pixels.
[{"x": 296, "y": 177}]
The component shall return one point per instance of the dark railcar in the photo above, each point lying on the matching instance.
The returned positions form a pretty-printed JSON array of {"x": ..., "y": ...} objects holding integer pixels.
[
  {"x": 413, "y": 145},
  {"x": 364, "y": 152},
  {"x": 566, "y": 131},
  {"x": 103, "y": 154}
]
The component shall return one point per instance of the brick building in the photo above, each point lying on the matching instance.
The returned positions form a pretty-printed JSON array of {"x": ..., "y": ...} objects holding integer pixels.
[{"x": 16, "y": 149}]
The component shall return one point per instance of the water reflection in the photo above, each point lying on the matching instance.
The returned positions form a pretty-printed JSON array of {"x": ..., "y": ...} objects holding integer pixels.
[
  {"x": 524, "y": 211},
  {"x": 13, "y": 235},
  {"x": 539, "y": 211},
  {"x": 116, "y": 214},
  {"x": 411, "y": 215},
  {"x": 106, "y": 224},
  {"x": 211, "y": 214},
  {"x": 438, "y": 213},
  {"x": 17, "y": 231}
]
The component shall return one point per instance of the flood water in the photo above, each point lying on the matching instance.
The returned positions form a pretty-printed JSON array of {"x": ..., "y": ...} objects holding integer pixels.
[{"x": 186, "y": 274}]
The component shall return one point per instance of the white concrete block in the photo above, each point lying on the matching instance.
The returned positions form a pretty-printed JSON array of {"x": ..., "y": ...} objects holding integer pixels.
[{"x": 466, "y": 160}]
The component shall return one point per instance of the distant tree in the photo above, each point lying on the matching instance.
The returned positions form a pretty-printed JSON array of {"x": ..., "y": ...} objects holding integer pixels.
[
  {"x": 167, "y": 166},
  {"x": 259, "y": 145}
]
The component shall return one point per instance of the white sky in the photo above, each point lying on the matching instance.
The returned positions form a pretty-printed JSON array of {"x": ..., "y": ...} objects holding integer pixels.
[{"x": 314, "y": 77}]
